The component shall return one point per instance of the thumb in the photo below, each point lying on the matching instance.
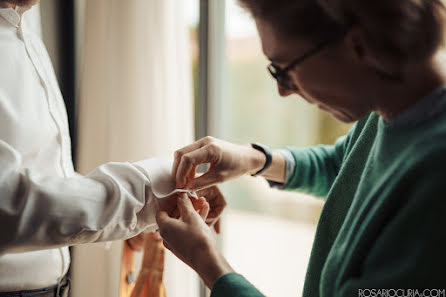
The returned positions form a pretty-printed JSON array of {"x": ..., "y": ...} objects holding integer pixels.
[
  {"x": 217, "y": 226},
  {"x": 166, "y": 224},
  {"x": 192, "y": 173},
  {"x": 163, "y": 219},
  {"x": 204, "y": 212}
]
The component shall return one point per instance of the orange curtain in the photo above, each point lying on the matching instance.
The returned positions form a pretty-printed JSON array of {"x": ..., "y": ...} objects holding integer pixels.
[{"x": 149, "y": 282}]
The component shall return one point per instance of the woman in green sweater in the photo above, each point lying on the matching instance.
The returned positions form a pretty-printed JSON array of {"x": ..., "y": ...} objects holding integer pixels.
[{"x": 379, "y": 63}]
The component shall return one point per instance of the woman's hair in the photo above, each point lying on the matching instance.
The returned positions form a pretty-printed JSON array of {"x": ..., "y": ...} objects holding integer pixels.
[{"x": 397, "y": 31}]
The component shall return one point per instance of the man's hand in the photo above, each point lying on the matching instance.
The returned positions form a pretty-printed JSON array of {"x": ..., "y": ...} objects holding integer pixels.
[
  {"x": 217, "y": 204},
  {"x": 136, "y": 243},
  {"x": 227, "y": 161},
  {"x": 191, "y": 240}
]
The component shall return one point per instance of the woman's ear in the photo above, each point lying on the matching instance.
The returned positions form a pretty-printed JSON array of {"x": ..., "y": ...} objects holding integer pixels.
[
  {"x": 359, "y": 51},
  {"x": 356, "y": 45}
]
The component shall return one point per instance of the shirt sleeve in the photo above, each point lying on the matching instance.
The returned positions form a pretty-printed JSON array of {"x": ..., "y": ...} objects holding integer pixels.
[
  {"x": 234, "y": 285},
  {"x": 290, "y": 166},
  {"x": 115, "y": 201}
]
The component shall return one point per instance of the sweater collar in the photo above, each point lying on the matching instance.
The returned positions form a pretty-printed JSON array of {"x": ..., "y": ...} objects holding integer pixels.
[{"x": 431, "y": 105}]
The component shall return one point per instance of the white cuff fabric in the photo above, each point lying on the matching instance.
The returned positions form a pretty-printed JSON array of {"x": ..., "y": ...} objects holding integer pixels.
[{"x": 158, "y": 170}]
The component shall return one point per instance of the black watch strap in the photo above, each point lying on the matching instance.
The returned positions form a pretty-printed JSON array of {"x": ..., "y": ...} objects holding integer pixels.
[{"x": 268, "y": 154}]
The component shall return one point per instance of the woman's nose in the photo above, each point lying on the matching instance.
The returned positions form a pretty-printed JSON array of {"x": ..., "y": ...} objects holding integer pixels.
[{"x": 284, "y": 92}]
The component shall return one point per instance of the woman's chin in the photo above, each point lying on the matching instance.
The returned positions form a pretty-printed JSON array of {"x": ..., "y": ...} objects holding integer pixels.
[{"x": 343, "y": 117}]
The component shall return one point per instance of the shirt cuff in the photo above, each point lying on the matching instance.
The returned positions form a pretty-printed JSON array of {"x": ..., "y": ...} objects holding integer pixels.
[
  {"x": 158, "y": 171},
  {"x": 290, "y": 166}
]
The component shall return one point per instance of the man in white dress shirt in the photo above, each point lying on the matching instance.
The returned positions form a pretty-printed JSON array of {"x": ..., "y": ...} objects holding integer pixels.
[{"x": 44, "y": 205}]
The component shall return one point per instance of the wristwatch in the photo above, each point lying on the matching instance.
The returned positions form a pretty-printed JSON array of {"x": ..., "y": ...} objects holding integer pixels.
[{"x": 268, "y": 154}]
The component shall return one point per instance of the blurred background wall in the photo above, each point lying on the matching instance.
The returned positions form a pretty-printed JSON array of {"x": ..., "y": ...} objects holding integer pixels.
[{"x": 134, "y": 102}]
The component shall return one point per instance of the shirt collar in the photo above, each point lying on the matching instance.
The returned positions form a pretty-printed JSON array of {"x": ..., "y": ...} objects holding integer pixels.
[
  {"x": 11, "y": 15},
  {"x": 429, "y": 106}
]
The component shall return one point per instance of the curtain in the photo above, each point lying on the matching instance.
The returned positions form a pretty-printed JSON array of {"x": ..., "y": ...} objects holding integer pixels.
[{"x": 135, "y": 102}]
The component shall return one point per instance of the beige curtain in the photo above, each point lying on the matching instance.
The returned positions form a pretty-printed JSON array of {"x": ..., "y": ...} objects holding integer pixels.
[{"x": 135, "y": 102}]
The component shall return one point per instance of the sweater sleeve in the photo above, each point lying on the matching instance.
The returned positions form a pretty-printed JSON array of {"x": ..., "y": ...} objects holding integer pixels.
[
  {"x": 317, "y": 167},
  {"x": 409, "y": 252},
  {"x": 234, "y": 285}
]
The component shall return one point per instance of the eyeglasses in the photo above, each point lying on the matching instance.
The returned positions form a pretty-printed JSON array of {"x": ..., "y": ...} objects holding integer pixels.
[{"x": 282, "y": 76}]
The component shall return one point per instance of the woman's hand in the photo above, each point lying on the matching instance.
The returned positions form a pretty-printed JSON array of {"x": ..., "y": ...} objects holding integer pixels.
[
  {"x": 227, "y": 161},
  {"x": 191, "y": 240}
]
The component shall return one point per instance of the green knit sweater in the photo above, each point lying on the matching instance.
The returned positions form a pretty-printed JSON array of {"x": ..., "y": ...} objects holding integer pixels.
[{"x": 382, "y": 223}]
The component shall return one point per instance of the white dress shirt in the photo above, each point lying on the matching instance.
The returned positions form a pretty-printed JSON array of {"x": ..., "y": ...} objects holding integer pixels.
[{"x": 44, "y": 205}]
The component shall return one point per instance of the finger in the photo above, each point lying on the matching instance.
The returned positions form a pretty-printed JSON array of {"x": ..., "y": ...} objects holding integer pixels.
[
  {"x": 192, "y": 173},
  {"x": 209, "y": 179},
  {"x": 167, "y": 226},
  {"x": 198, "y": 203},
  {"x": 187, "y": 149},
  {"x": 138, "y": 240},
  {"x": 203, "y": 155},
  {"x": 179, "y": 153},
  {"x": 166, "y": 245},
  {"x": 129, "y": 243},
  {"x": 218, "y": 205},
  {"x": 206, "y": 192},
  {"x": 217, "y": 227},
  {"x": 137, "y": 247},
  {"x": 164, "y": 221},
  {"x": 156, "y": 235},
  {"x": 176, "y": 162},
  {"x": 204, "y": 211},
  {"x": 162, "y": 217},
  {"x": 185, "y": 206},
  {"x": 190, "y": 176},
  {"x": 168, "y": 204},
  {"x": 134, "y": 244},
  {"x": 214, "y": 196},
  {"x": 176, "y": 213}
]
